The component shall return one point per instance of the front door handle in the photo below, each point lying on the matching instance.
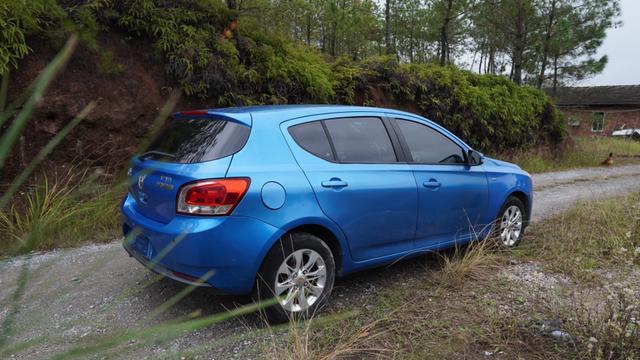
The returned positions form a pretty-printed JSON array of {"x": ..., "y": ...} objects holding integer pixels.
[
  {"x": 431, "y": 184},
  {"x": 334, "y": 183}
]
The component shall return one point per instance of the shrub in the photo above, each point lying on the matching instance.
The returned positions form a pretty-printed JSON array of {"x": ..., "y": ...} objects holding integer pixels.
[
  {"x": 19, "y": 18},
  {"x": 210, "y": 57},
  {"x": 489, "y": 112}
]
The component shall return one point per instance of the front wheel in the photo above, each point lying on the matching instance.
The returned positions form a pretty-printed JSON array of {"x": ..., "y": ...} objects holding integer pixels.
[
  {"x": 510, "y": 223},
  {"x": 300, "y": 271}
]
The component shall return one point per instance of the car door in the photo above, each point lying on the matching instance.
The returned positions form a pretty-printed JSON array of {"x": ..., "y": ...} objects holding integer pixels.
[
  {"x": 352, "y": 166},
  {"x": 452, "y": 195}
]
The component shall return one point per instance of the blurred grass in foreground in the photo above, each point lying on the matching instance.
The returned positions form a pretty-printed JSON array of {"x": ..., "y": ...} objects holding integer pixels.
[
  {"x": 588, "y": 152},
  {"x": 75, "y": 207}
]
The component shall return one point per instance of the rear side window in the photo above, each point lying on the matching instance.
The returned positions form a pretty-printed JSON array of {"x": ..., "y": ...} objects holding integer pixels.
[
  {"x": 363, "y": 140},
  {"x": 196, "y": 140},
  {"x": 428, "y": 146},
  {"x": 311, "y": 137}
]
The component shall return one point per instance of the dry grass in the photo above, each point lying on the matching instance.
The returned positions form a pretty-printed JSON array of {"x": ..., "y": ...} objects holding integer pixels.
[
  {"x": 64, "y": 210},
  {"x": 588, "y": 152},
  {"x": 471, "y": 262},
  {"x": 304, "y": 340},
  {"x": 590, "y": 236}
]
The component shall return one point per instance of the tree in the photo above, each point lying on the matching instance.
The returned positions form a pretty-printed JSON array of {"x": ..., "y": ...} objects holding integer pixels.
[{"x": 580, "y": 34}]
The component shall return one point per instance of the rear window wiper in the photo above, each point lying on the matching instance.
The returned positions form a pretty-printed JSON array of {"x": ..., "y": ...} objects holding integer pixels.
[{"x": 145, "y": 155}]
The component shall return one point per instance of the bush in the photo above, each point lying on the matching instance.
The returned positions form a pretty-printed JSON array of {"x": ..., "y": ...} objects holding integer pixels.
[
  {"x": 489, "y": 112},
  {"x": 19, "y": 18},
  {"x": 209, "y": 56}
]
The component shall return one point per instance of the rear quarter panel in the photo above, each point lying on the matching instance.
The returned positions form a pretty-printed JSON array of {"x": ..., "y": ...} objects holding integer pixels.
[{"x": 266, "y": 158}]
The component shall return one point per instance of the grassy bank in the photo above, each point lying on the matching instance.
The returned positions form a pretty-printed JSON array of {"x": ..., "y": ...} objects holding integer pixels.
[
  {"x": 588, "y": 152},
  {"x": 506, "y": 304},
  {"x": 62, "y": 210}
]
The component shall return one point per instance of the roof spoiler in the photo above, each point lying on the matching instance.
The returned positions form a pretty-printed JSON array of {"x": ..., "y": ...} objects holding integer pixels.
[{"x": 240, "y": 118}]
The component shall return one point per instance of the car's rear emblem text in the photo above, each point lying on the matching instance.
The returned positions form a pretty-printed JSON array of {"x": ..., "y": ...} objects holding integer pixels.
[{"x": 141, "y": 181}]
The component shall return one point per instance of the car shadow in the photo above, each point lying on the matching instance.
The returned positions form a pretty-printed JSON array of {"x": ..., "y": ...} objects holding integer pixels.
[{"x": 351, "y": 291}]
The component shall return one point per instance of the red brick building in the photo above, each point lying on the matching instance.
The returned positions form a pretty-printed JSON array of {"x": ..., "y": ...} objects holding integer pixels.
[{"x": 599, "y": 110}]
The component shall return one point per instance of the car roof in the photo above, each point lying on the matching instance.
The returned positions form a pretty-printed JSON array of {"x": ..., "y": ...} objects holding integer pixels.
[
  {"x": 279, "y": 113},
  {"x": 286, "y": 112}
]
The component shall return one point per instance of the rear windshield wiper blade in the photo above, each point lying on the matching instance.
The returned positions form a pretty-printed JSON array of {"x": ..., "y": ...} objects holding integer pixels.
[{"x": 145, "y": 155}]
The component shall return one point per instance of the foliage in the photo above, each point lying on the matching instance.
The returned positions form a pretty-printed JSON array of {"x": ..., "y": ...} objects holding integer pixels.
[
  {"x": 224, "y": 54},
  {"x": 59, "y": 211},
  {"x": 489, "y": 112},
  {"x": 201, "y": 51},
  {"x": 19, "y": 18}
]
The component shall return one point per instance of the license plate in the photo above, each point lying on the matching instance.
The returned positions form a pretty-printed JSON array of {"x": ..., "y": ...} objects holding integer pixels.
[{"x": 143, "y": 246}]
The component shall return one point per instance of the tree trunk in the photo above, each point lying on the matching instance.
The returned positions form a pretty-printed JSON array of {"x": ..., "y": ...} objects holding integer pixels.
[
  {"x": 547, "y": 44},
  {"x": 444, "y": 35},
  {"x": 308, "y": 29},
  {"x": 555, "y": 75},
  {"x": 517, "y": 56},
  {"x": 387, "y": 26}
]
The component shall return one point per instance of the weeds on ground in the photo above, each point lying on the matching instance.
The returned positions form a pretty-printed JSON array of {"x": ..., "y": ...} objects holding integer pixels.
[
  {"x": 471, "y": 262},
  {"x": 588, "y": 152},
  {"x": 300, "y": 340},
  {"x": 590, "y": 236},
  {"x": 606, "y": 330},
  {"x": 73, "y": 207}
]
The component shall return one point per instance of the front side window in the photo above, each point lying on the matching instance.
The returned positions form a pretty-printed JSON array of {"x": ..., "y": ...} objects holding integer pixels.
[
  {"x": 360, "y": 140},
  {"x": 428, "y": 146},
  {"x": 597, "y": 123}
]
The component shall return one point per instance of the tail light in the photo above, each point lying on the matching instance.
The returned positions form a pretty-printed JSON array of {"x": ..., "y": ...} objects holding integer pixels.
[{"x": 211, "y": 197}]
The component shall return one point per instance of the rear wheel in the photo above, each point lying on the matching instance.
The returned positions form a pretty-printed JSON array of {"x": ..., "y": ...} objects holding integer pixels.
[
  {"x": 300, "y": 271},
  {"x": 510, "y": 223}
]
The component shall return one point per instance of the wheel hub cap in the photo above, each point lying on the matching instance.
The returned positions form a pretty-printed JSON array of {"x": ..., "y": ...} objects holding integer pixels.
[
  {"x": 511, "y": 225},
  {"x": 300, "y": 280}
]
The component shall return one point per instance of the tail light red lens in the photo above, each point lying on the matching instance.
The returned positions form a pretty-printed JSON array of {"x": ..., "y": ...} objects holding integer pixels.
[{"x": 212, "y": 197}]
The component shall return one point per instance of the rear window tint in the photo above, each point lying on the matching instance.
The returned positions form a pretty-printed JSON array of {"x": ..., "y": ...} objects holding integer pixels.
[
  {"x": 363, "y": 140},
  {"x": 196, "y": 140},
  {"x": 311, "y": 137}
]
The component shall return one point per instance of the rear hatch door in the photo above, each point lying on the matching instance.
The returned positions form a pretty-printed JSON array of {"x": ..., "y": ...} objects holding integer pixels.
[{"x": 187, "y": 149}]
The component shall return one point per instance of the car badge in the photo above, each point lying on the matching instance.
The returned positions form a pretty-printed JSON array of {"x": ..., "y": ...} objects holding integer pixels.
[{"x": 141, "y": 181}]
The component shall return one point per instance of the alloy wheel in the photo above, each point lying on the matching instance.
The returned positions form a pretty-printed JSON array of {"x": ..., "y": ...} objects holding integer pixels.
[
  {"x": 300, "y": 280},
  {"x": 511, "y": 225}
]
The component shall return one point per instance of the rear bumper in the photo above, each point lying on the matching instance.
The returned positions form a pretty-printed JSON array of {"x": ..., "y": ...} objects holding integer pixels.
[
  {"x": 225, "y": 252},
  {"x": 149, "y": 264}
]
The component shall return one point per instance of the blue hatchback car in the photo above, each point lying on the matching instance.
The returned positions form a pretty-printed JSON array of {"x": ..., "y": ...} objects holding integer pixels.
[{"x": 279, "y": 200}]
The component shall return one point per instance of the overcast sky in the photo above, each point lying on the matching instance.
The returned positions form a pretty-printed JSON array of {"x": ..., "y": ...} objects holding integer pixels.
[{"x": 622, "y": 45}]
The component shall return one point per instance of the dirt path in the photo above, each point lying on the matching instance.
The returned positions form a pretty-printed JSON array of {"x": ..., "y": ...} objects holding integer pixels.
[{"x": 80, "y": 294}]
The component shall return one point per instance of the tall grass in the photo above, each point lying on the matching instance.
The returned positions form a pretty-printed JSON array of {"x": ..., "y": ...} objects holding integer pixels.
[
  {"x": 588, "y": 152},
  {"x": 304, "y": 340},
  {"x": 78, "y": 205},
  {"x": 470, "y": 262},
  {"x": 590, "y": 236}
]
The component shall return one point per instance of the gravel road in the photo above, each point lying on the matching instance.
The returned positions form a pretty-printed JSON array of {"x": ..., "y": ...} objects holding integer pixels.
[{"x": 75, "y": 295}]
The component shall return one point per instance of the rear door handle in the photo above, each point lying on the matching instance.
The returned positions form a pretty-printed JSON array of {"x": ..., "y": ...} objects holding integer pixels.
[
  {"x": 431, "y": 184},
  {"x": 334, "y": 183}
]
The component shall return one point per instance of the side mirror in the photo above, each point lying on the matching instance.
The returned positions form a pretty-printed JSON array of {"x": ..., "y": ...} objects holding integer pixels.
[{"x": 474, "y": 158}]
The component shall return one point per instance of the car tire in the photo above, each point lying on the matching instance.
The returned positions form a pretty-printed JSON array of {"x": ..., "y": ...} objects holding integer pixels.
[
  {"x": 299, "y": 262},
  {"x": 511, "y": 222}
]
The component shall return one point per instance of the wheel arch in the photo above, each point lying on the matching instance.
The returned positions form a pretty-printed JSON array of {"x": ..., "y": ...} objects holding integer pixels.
[
  {"x": 331, "y": 235},
  {"x": 328, "y": 237},
  {"x": 522, "y": 196}
]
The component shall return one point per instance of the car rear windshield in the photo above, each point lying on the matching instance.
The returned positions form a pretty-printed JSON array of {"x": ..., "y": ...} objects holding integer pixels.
[{"x": 196, "y": 140}]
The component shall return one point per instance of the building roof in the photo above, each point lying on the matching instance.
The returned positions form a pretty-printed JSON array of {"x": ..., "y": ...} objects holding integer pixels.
[{"x": 598, "y": 95}]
